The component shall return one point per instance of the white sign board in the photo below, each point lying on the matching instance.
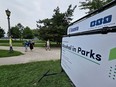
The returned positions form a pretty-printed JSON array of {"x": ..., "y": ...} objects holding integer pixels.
[
  {"x": 106, "y": 18},
  {"x": 90, "y": 61}
]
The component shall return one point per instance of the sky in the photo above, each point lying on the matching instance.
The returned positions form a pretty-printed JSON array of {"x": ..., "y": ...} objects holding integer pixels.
[{"x": 27, "y": 12}]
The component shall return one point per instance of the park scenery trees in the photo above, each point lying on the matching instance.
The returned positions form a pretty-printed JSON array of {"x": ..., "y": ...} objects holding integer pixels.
[
  {"x": 29, "y": 75},
  {"x": 55, "y": 27},
  {"x": 27, "y": 33},
  {"x": 2, "y": 32},
  {"x": 15, "y": 32},
  {"x": 19, "y": 31}
]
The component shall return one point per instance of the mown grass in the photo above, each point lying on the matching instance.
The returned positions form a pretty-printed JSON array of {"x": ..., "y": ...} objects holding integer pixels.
[
  {"x": 36, "y": 44},
  {"x": 28, "y": 75},
  {"x": 7, "y": 53},
  {"x": 19, "y": 43},
  {"x": 7, "y": 41}
]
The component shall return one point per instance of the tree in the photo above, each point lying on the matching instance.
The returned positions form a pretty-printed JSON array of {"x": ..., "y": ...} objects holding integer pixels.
[
  {"x": 92, "y": 5},
  {"x": 2, "y": 32},
  {"x": 44, "y": 31},
  {"x": 21, "y": 28},
  {"x": 27, "y": 33},
  {"x": 20, "y": 32},
  {"x": 54, "y": 28},
  {"x": 15, "y": 32},
  {"x": 35, "y": 32},
  {"x": 61, "y": 22}
]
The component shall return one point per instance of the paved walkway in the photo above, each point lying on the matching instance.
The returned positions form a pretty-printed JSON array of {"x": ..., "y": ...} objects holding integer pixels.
[{"x": 38, "y": 54}]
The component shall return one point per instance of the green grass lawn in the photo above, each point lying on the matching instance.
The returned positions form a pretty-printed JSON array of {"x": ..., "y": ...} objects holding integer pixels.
[
  {"x": 19, "y": 43},
  {"x": 7, "y": 41},
  {"x": 36, "y": 44},
  {"x": 6, "y": 53},
  {"x": 27, "y": 75}
]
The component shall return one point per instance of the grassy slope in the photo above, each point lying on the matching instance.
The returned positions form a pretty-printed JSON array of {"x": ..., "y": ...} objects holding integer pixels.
[{"x": 27, "y": 75}]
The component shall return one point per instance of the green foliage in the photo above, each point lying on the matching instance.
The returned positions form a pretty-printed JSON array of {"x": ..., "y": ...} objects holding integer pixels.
[
  {"x": 54, "y": 28},
  {"x": 15, "y": 32},
  {"x": 35, "y": 32},
  {"x": 20, "y": 43},
  {"x": 92, "y": 5},
  {"x": 28, "y": 75},
  {"x": 4, "y": 41},
  {"x": 27, "y": 33},
  {"x": 21, "y": 28},
  {"x": 20, "y": 32},
  {"x": 14, "y": 41},
  {"x": 2, "y": 32},
  {"x": 44, "y": 32}
]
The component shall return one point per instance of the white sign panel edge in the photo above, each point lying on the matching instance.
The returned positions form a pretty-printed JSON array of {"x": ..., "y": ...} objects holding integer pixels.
[{"x": 87, "y": 62}]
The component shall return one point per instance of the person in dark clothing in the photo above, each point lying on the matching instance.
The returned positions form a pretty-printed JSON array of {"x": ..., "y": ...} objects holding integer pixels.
[{"x": 31, "y": 44}]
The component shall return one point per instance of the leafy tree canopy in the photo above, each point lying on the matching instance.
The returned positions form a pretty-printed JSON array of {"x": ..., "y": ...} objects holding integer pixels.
[
  {"x": 19, "y": 31},
  {"x": 35, "y": 32},
  {"x": 2, "y": 32},
  {"x": 92, "y": 5},
  {"x": 54, "y": 28},
  {"x": 15, "y": 32},
  {"x": 27, "y": 33}
]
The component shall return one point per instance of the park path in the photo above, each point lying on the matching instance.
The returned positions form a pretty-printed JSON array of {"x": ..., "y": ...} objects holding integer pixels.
[{"x": 38, "y": 54}]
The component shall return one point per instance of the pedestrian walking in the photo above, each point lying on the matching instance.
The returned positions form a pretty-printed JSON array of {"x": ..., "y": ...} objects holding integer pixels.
[
  {"x": 31, "y": 44},
  {"x": 26, "y": 44},
  {"x": 10, "y": 43},
  {"x": 48, "y": 45}
]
